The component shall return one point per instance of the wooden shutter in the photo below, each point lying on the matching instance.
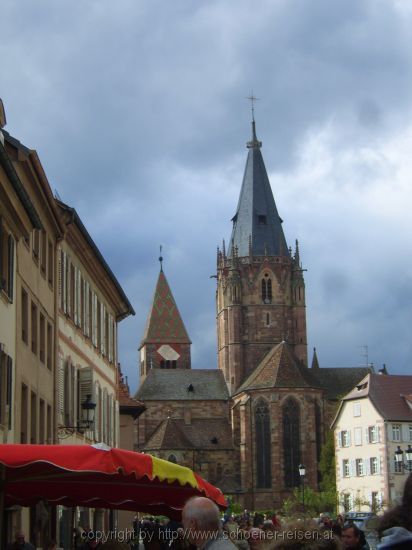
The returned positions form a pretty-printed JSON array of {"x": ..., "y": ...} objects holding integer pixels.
[
  {"x": 9, "y": 391},
  {"x": 60, "y": 390},
  {"x": 69, "y": 289},
  {"x": 94, "y": 319},
  {"x": 10, "y": 252},
  {"x": 116, "y": 429},
  {"x": 110, "y": 342},
  {"x": 102, "y": 331},
  {"x": 104, "y": 416},
  {"x": 97, "y": 410},
  {"x": 110, "y": 423},
  {"x": 1, "y": 254}
]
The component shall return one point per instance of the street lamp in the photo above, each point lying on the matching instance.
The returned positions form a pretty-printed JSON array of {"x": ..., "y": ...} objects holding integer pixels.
[
  {"x": 302, "y": 472},
  {"x": 399, "y": 458},
  {"x": 86, "y": 423}
]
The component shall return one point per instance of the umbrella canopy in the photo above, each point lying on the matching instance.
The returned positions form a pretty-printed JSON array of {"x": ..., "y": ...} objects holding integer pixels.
[{"x": 99, "y": 476}]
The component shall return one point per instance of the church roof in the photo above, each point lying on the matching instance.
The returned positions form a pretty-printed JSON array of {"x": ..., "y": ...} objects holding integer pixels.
[
  {"x": 339, "y": 381},
  {"x": 279, "y": 369},
  {"x": 164, "y": 323},
  {"x": 170, "y": 384},
  {"x": 257, "y": 222},
  {"x": 201, "y": 433}
]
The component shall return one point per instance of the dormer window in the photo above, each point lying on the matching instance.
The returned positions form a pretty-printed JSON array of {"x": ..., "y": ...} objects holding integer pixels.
[
  {"x": 262, "y": 220},
  {"x": 190, "y": 388},
  {"x": 266, "y": 289}
]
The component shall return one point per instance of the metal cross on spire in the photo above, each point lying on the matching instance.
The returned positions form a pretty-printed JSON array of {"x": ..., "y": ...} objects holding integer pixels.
[
  {"x": 252, "y": 100},
  {"x": 161, "y": 259}
]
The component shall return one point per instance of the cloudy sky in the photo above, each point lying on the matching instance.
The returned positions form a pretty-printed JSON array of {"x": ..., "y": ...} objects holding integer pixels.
[{"x": 137, "y": 110}]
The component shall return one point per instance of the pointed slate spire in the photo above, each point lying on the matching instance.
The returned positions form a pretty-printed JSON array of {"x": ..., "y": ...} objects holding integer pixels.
[
  {"x": 315, "y": 362},
  {"x": 164, "y": 323},
  {"x": 256, "y": 213}
]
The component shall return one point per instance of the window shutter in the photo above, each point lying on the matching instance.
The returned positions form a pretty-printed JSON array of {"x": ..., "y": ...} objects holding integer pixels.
[
  {"x": 73, "y": 396},
  {"x": 391, "y": 464},
  {"x": 349, "y": 438},
  {"x": 380, "y": 465},
  {"x": 341, "y": 469},
  {"x": 97, "y": 412},
  {"x": 116, "y": 441},
  {"x": 86, "y": 387},
  {"x": 1, "y": 253},
  {"x": 367, "y": 466},
  {"x": 68, "y": 287},
  {"x": 110, "y": 343},
  {"x": 367, "y": 434},
  {"x": 9, "y": 391},
  {"x": 102, "y": 335},
  {"x": 79, "y": 298},
  {"x": 88, "y": 313},
  {"x": 94, "y": 319},
  {"x": 405, "y": 432},
  {"x": 76, "y": 297},
  {"x": 10, "y": 251},
  {"x": 104, "y": 416},
  {"x": 64, "y": 281},
  {"x": 84, "y": 306},
  {"x": 60, "y": 276},
  {"x": 340, "y": 443},
  {"x": 379, "y": 434},
  {"x": 110, "y": 423},
  {"x": 60, "y": 390},
  {"x": 352, "y": 467}
]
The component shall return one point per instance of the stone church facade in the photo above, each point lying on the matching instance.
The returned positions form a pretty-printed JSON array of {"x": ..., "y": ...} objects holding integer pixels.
[{"x": 247, "y": 425}]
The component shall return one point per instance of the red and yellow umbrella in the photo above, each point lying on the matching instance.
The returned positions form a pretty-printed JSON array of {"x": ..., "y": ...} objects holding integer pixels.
[{"x": 98, "y": 476}]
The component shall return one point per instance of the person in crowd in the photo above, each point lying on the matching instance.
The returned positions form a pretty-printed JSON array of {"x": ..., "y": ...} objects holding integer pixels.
[
  {"x": 395, "y": 526},
  {"x": 202, "y": 525},
  {"x": 353, "y": 538},
  {"x": 20, "y": 543},
  {"x": 276, "y": 522},
  {"x": 51, "y": 545}
]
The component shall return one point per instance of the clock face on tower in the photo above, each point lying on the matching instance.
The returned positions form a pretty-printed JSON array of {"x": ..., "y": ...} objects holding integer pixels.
[{"x": 168, "y": 353}]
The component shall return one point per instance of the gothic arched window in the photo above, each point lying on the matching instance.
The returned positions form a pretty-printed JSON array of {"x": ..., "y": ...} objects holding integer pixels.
[
  {"x": 266, "y": 289},
  {"x": 263, "y": 454},
  {"x": 291, "y": 442}
]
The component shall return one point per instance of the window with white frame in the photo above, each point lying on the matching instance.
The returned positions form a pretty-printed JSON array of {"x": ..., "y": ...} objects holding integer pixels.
[
  {"x": 358, "y": 436},
  {"x": 373, "y": 432},
  {"x": 396, "y": 432},
  {"x": 345, "y": 438},
  {"x": 374, "y": 465},
  {"x": 357, "y": 409},
  {"x": 360, "y": 470},
  {"x": 345, "y": 468}
]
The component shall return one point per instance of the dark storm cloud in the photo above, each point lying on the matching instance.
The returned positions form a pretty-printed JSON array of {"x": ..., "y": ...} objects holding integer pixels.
[{"x": 138, "y": 112}]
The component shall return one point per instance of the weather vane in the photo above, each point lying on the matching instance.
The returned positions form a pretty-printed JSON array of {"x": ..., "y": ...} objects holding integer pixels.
[
  {"x": 252, "y": 100},
  {"x": 161, "y": 259}
]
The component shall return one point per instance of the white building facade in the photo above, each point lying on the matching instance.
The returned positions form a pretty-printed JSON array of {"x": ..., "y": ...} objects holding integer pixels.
[{"x": 373, "y": 420}]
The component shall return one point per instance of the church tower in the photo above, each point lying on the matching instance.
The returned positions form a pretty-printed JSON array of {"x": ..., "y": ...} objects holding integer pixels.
[
  {"x": 260, "y": 295},
  {"x": 165, "y": 343}
]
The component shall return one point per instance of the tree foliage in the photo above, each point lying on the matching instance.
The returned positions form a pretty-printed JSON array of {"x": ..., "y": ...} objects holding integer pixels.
[{"x": 327, "y": 464}]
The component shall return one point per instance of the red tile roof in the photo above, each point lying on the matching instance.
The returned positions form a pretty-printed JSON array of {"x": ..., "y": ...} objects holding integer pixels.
[
  {"x": 164, "y": 323},
  {"x": 390, "y": 394}
]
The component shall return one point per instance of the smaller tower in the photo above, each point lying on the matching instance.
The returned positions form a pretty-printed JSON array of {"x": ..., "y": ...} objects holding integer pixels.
[{"x": 165, "y": 343}]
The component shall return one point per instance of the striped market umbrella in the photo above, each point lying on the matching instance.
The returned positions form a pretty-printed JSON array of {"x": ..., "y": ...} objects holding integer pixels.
[{"x": 98, "y": 476}]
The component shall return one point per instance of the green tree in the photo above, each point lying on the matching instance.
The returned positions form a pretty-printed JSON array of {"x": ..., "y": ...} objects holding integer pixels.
[{"x": 327, "y": 465}]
